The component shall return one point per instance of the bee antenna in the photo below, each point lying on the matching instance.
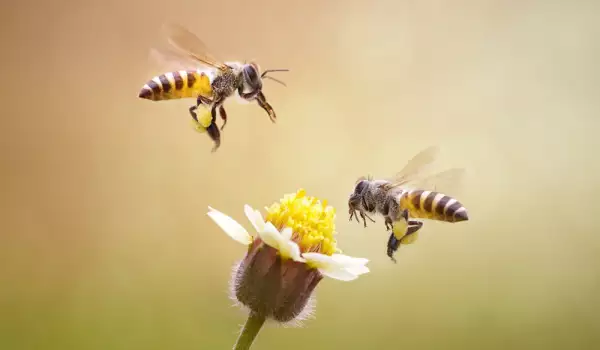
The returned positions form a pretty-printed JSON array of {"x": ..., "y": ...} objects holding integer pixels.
[
  {"x": 273, "y": 70},
  {"x": 274, "y": 79}
]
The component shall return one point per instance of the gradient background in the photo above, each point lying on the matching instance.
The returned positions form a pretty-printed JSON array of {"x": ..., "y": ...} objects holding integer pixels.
[{"x": 105, "y": 243}]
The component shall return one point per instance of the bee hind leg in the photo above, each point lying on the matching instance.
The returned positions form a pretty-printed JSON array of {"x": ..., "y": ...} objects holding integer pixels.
[
  {"x": 213, "y": 129},
  {"x": 193, "y": 113},
  {"x": 413, "y": 226},
  {"x": 199, "y": 101},
  {"x": 392, "y": 246},
  {"x": 388, "y": 223},
  {"x": 215, "y": 135},
  {"x": 394, "y": 243}
]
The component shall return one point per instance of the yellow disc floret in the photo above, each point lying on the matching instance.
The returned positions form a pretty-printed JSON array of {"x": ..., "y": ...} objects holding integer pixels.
[{"x": 312, "y": 221}]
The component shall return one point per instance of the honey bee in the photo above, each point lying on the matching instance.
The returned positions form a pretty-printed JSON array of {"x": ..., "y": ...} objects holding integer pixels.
[
  {"x": 400, "y": 204},
  {"x": 199, "y": 75}
]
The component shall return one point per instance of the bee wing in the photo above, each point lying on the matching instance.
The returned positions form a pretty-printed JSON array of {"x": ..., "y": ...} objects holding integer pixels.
[
  {"x": 361, "y": 178},
  {"x": 188, "y": 44},
  {"x": 447, "y": 181},
  {"x": 414, "y": 167},
  {"x": 167, "y": 60}
]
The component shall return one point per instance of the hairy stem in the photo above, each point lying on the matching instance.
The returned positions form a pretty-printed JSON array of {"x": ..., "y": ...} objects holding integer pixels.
[{"x": 249, "y": 332}]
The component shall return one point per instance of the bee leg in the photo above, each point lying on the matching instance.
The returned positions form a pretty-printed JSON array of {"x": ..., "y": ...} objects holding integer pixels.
[
  {"x": 413, "y": 227},
  {"x": 262, "y": 102},
  {"x": 223, "y": 115},
  {"x": 404, "y": 215},
  {"x": 410, "y": 237},
  {"x": 392, "y": 246},
  {"x": 199, "y": 101},
  {"x": 193, "y": 113},
  {"x": 394, "y": 243},
  {"x": 213, "y": 129},
  {"x": 389, "y": 224},
  {"x": 215, "y": 135},
  {"x": 364, "y": 217}
]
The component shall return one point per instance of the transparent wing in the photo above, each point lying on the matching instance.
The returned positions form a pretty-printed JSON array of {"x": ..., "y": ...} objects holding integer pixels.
[
  {"x": 188, "y": 44},
  {"x": 368, "y": 177},
  {"x": 447, "y": 182},
  {"x": 415, "y": 167},
  {"x": 166, "y": 60}
]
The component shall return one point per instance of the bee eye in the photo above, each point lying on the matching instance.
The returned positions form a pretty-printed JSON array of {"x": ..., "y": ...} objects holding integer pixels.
[
  {"x": 360, "y": 186},
  {"x": 251, "y": 75}
]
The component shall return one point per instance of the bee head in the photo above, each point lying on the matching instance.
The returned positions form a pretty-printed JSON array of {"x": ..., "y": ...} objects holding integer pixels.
[
  {"x": 355, "y": 197},
  {"x": 252, "y": 78}
]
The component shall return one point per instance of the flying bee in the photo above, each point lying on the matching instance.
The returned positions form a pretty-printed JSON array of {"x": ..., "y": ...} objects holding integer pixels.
[
  {"x": 199, "y": 75},
  {"x": 400, "y": 203}
]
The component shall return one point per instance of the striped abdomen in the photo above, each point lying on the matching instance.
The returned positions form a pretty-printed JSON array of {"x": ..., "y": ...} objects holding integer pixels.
[
  {"x": 178, "y": 84},
  {"x": 433, "y": 205}
]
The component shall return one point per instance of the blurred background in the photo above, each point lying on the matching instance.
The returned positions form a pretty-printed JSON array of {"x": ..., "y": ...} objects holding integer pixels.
[{"x": 105, "y": 242}]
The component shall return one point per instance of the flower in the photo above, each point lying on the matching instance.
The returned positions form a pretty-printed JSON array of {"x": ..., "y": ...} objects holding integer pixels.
[{"x": 288, "y": 255}]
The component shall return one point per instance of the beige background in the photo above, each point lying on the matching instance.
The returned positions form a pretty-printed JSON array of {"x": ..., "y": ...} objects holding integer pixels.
[{"x": 104, "y": 239}]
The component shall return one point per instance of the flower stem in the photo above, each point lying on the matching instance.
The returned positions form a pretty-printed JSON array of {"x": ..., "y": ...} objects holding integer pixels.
[{"x": 249, "y": 332}]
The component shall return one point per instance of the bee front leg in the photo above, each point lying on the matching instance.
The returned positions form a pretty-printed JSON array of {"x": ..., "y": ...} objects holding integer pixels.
[
  {"x": 262, "y": 102},
  {"x": 364, "y": 216}
]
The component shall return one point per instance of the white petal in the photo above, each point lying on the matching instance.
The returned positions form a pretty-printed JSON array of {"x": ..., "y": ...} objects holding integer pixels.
[
  {"x": 358, "y": 270},
  {"x": 317, "y": 259},
  {"x": 354, "y": 265},
  {"x": 251, "y": 215},
  {"x": 292, "y": 251},
  {"x": 271, "y": 228},
  {"x": 271, "y": 236},
  {"x": 348, "y": 260},
  {"x": 260, "y": 222},
  {"x": 286, "y": 233},
  {"x": 340, "y": 274},
  {"x": 230, "y": 226},
  {"x": 341, "y": 267}
]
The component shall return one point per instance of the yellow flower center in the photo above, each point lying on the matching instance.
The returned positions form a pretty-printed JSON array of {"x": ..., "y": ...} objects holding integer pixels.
[{"x": 311, "y": 220}]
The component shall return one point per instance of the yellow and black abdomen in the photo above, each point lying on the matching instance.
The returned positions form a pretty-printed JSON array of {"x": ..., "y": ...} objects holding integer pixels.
[
  {"x": 433, "y": 205},
  {"x": 175, "y": 85}
]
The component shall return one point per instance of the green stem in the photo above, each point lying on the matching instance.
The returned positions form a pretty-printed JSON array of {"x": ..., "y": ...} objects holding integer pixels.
[{"x": 250, "y": 331}]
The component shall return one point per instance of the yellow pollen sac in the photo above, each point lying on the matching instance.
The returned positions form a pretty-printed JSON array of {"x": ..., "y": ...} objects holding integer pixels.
[
  {"x": 204, "y": 119},
  {"x": 312, "y": 221}
]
